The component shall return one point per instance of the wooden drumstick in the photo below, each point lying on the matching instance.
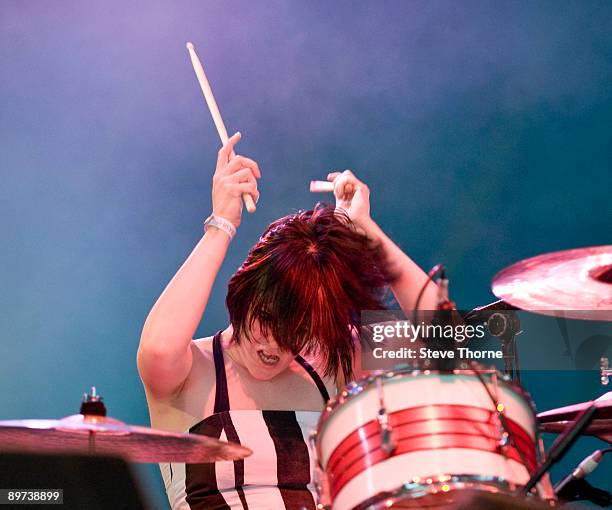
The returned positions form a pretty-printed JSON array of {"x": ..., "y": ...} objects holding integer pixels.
[
  {"x": 328, "y": 187},
  {"x": 321, "y": 186},
  {"x": 214, "y": 111}
]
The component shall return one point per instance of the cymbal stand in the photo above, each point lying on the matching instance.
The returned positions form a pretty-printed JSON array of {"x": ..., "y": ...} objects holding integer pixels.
[{"x": 606, "y": 371}]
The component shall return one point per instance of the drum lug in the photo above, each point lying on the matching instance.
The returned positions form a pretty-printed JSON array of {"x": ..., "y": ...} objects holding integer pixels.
[
  {"x": 386, "y": 431},
  {"x": 388, "y": 445},
  {"x": 504, "y": 440}
]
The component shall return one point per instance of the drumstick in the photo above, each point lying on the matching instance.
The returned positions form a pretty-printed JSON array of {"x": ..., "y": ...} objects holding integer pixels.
[
  {"x": 214, "y": 111},
  {"x": 321, "y": 186}
]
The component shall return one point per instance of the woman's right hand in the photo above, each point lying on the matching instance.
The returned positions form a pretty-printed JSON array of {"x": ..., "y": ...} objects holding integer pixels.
[{"x": 234, "y": 176}]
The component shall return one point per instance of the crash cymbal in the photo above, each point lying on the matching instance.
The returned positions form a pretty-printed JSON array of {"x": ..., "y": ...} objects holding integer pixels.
[
  {"x": 556, "y": 420},
  {"x": 575, "y": 284},
  {"x": 101, "y": 435}
]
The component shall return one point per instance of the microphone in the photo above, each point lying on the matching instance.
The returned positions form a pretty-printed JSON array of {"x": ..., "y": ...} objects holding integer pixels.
[
  {"x": 500, "y": 317},
  {"x": 445, "y": 315}
]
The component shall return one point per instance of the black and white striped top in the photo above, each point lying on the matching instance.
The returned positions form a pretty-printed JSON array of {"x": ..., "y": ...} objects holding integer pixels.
[{"x": 279, "y": 474}]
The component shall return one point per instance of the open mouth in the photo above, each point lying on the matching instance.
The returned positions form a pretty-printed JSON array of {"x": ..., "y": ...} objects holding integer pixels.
[{"x": 268, "y": 359}]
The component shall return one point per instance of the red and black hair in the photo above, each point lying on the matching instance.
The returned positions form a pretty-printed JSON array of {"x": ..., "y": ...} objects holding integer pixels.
[{"x": 306, "y": 281}]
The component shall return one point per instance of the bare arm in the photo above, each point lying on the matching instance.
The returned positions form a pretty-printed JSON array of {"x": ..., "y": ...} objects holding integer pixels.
[
  {"x": 164, "y": 353},
  {"x": 353, "y": 196}
]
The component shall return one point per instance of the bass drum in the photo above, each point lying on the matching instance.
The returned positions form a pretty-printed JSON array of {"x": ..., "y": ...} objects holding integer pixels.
[{"x": 411, "y": 439}]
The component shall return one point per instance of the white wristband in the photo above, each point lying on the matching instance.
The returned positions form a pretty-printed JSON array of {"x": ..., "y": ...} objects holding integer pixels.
[{"x": 221, "y": 223}]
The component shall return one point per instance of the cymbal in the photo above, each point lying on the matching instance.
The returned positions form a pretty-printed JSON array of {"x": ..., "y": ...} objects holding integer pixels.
[
  {"x": 101, "y": 435},
  {"x": 556, "y": 420},
  {"x": 576, "y": 284}
]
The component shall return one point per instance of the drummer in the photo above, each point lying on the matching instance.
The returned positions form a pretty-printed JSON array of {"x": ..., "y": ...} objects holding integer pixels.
[{"x": 294, "y": 308}]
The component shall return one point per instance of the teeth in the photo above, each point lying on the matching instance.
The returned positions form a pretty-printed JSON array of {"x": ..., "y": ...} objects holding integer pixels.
[{"x": 268, "y": 359}]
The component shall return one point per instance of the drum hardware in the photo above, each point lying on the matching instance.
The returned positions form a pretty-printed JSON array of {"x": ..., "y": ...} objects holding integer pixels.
[
  {"x": 386, "y": 431},
  {"x": 606, "y": 371},
  {"x": 504, "y": 439},
  {"x": 506, "y": 435},
  {"x": 473, "y": 500},
  {"x": 502, "y": 322},
  {"x": 545, "y": 487},
  {"x": 507, "y": 327},
  {"x": 443, "y": 489},
  {"x": 563, "y": 443},
  {"x": 94, "y": 433},
  {"x": 557, "y": 420},
  {"x": 92, "y": 404}
]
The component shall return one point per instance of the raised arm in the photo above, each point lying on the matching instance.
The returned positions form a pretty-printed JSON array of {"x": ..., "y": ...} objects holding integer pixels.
[
  {"x": 164, "y": 353},
  {"x": 353, "y": 196}
]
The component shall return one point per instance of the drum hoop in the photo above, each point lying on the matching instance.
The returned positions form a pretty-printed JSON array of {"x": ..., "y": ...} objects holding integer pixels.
[
  {"x": 426, "y": 486},
  {"x": 355, "y": 388}
]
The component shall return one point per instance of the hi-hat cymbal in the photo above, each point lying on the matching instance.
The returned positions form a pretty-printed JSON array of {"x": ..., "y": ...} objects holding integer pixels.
[
  {"x": 556, "y": 420},
  {"x": 576, "y": 284},
  {"x": 100, "y": 435}
]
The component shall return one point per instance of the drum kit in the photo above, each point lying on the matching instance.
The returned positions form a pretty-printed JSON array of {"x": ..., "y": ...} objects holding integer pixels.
[{"x": 403, "y": 438}]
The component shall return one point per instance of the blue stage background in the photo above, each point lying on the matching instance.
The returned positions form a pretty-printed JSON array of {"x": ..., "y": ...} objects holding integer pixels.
[{"x": 482, "y": 128}]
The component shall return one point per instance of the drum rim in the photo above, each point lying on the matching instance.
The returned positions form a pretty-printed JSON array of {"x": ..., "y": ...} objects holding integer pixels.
[
  {"x": 426, "y": 486},
  {"x": 355, "y": 388}
]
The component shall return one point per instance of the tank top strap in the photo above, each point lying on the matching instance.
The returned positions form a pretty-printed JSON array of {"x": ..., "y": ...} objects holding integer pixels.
[
  {"x": 221, "y": 394},
  {"x": 315, "y": 377}
]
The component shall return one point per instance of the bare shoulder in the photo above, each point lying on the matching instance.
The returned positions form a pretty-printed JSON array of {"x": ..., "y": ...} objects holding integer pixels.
[{"x": 195, "y": 399}]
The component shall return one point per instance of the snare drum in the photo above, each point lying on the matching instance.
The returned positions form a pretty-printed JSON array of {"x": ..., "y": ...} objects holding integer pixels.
[{"x": 408, "y": 439}]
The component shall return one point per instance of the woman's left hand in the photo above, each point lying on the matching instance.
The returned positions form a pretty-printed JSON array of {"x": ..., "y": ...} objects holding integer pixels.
[{"x": 353, "y": 196}]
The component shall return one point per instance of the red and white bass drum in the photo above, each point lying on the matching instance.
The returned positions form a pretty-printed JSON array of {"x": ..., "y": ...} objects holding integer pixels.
[{"x": 411, "y": 439}]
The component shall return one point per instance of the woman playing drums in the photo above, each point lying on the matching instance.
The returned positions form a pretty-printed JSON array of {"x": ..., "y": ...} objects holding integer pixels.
[{"x": 294, "y": 307}]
